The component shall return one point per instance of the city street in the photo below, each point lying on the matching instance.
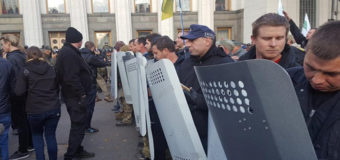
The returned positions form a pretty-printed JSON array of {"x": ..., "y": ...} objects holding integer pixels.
[{"x": 110, "y": 143}]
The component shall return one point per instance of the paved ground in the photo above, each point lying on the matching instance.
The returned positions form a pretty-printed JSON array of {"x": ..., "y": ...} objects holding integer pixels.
[{"x": 110, "y": 143}]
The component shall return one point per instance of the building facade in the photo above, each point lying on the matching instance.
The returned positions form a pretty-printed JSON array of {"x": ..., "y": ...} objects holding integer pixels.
[{"x": 44, "y": 22}]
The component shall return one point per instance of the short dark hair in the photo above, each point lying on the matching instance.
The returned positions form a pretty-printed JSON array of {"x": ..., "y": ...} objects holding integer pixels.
[
  {"x": 325, "y": 41},
  {"x": 132, "y": 41},
  {"x": 89, "y": 44},
  {"x": 270, "y": 19},
  {"x": 152, "y": 36},
  {"x": 141, "y": 40},
  {"x": 165, "y": 42}
]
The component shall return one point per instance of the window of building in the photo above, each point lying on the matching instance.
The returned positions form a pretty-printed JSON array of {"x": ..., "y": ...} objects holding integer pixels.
[
  {"x": 9, "y": 7},
  {"x": 100, "y": 6},
  {"x": 223, "y": 33},
  {"x": 309, "y": 7},
  {"x": 142, "y": 6},
  {"x": 143, "y": 33},
  {"x": 55, "y": 6},
  {"x": 185, "y": 30},
  {"x": 57, "y": 39},
  {"x": 186, "y": 5},
  {"x": 102, "y": 37},
  {"x": 222, "y": 5}
]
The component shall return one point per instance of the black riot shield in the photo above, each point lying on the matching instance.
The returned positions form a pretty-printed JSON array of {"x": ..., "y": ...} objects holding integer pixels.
[{"x": 256, "y": 111}]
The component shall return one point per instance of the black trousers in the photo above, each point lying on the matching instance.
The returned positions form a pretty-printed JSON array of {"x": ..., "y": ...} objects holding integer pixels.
[
  {"x": 78, "y": 115},
  {"x": 19, "y": 119},
  {"x": 160, "y": 144}
]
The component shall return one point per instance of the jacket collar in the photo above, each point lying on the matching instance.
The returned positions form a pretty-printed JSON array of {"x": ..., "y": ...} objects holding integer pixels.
[{"x": 213, "y": 51}]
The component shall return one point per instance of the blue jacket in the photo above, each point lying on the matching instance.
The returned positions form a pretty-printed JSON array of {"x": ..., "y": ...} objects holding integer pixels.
[
  {"x": 322, "y": 114},
  {"x": 6, "y": 85}
]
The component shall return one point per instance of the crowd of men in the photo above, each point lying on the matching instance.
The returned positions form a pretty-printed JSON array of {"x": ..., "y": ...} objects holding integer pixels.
[{"x": 314, "y": 69}]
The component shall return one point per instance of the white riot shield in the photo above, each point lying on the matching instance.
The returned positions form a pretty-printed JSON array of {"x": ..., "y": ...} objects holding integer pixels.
[
  {"x": 133, "y": 79},
  {"x": 114, "y": 81},
  {"x": 215, "y": 148},
  {"x": 256, "y": 111},
  {"x": 123, "y": 77},
  {"x": 173, "y": 111},
  {"x": 144, "y": 102}
]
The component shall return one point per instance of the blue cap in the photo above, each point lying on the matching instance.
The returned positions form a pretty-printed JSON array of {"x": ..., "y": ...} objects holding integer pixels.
[{"x": 197, "y": 31}]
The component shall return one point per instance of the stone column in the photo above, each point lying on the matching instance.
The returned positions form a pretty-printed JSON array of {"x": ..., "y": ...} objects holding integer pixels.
[
  {"x": 166, "y": 26},
  {"x": 206, "y": 11},
  {"x": 78, "y": 17},
  {"x": 31, "y": 13},
  {"x": 123, "y": 20}
]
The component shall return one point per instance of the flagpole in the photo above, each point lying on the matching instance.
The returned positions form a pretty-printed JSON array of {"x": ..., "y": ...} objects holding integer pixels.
[{"x": 181, "y": 13}]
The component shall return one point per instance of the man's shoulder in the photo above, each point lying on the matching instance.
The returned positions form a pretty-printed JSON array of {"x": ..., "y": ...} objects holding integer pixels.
[{"x": 297, "y": 74}]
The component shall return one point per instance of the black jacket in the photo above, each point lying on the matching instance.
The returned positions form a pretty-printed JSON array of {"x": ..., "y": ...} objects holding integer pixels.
[
  {"x": 322, "y": 114},
  {"x": 73, "y": 73},
  {"x": 93, "y": 61},
  {"x": 17, "y": 59},
  {"x": 195, "y": 98},
  {"x": 6, "y": 85},
  {"x": 298, "y": 36},
  {"x": 38, "y": 81},
  {"x": 291, "y": 56}
]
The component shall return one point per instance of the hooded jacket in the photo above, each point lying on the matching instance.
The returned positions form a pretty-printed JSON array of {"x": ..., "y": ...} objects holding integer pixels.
[
  {"x": 73, "y": 73},
  {"x": 38, "y": 81},
  {"x": 291, "y": 56},
  {"x": 195, "y": 98},
  {"x": 17, "y": 59},
  {"x": 6, "y": 85}
]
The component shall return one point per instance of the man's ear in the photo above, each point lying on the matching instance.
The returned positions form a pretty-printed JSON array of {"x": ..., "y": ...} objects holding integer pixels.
[{"x": 253, "y": 39}]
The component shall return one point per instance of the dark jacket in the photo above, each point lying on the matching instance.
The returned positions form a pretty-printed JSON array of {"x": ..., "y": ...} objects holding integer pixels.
[
  {"x": 73, "y": 73},
  {"x": 298, "y": 36},
  {"x": 17, "y": 59},
  {"x": 93, "y": 61},
  {"x": 195, "y": 99},
  {"x": 6, "y": 85},
  {"x": 322, "y": 114},
  {"x": 291, "y": 56},
  {"x": 38, "y": 81}
]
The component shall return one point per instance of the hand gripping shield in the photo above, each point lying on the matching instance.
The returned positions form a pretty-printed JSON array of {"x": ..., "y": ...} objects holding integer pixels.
[
  {"x": 256, "y": 111},
  {"x": 114, "y": 86},
  {"x": 123, "y": 76},
  {"x": 173, "y": 111}
]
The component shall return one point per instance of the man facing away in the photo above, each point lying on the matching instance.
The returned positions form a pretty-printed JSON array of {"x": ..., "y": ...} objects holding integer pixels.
[{"x": 74, "y": 76}]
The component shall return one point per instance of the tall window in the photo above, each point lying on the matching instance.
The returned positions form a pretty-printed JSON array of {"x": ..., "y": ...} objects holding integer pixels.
[
  {"x": 143, "y": 33},
  {"x": 55, "y": 6},
  {"x": 100, "y": 6},
  {"x": 142, "y": 6},
  {"x": 222, "y": 5},
  {"x": 102, "y": 37},
  {"x": 9, "y": 7},
  {"x": 223, "y": 33},
  {"x": 186, "y": 5},
  {"x": 309, "y": 7}
]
